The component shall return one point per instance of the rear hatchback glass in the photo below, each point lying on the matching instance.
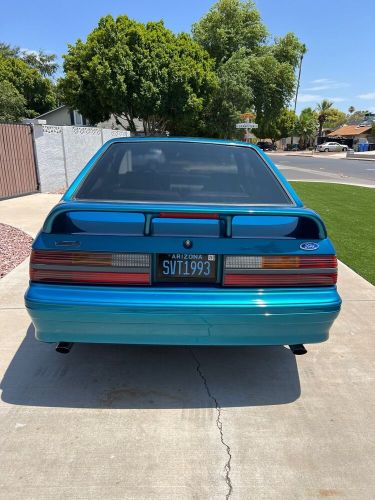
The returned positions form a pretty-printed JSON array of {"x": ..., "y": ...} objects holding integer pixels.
[{"x": 182, "y": 172}]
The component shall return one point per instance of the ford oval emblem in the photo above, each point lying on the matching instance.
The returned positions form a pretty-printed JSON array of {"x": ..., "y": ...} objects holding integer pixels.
[{"x": 309, "y": 245}]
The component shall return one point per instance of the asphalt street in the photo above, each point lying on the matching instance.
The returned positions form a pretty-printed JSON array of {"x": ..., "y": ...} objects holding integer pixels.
[{"x": 325, "y": 168}]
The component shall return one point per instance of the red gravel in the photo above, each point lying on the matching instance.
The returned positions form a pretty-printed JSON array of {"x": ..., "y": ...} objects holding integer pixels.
[{"x": 15, "y": 247}]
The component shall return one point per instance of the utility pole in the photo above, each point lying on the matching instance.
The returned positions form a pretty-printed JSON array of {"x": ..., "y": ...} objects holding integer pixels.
[{"x": 303, "y": 52}]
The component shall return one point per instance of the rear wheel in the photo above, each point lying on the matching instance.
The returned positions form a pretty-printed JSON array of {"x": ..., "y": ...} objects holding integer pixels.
[{"x": 326, "y": 150}]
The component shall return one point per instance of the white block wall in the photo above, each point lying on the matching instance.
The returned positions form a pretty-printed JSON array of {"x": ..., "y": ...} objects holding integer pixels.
[{"x": 63, "y": 151}]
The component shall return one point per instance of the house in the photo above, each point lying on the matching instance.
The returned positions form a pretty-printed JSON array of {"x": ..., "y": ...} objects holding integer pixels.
[
  {"x": 352, "y": 135},
  {"x": 63, "y": 115}
]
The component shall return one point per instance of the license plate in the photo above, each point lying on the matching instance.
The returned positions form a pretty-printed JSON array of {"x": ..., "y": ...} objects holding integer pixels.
[{"x": 180, "y": 267}]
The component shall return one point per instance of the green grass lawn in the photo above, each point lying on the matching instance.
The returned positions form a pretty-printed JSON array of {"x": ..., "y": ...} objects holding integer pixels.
[{"x": 349, "y": 214}]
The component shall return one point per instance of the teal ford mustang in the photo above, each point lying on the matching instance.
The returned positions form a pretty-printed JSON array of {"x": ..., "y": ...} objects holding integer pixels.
[{"x": 182, "y": 241}]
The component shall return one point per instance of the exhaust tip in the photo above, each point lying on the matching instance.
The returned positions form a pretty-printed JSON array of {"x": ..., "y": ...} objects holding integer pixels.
[
  {"x": 64, "y": 347},
  {"x": 298, "y": 349}
]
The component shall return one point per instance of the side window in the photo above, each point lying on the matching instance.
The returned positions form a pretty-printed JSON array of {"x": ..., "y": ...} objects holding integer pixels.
[{"x": 126, "y": 163}]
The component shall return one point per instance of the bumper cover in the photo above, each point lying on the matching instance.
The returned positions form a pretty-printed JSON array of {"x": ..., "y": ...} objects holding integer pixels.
[{"x": 181, "y": 316}]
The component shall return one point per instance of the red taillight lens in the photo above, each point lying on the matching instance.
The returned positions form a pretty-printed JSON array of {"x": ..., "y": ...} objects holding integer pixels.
[
  {"x": 280, "y": 270},
  {"x": 280, "y": 279},
  {"x": 51, "y": 266}
]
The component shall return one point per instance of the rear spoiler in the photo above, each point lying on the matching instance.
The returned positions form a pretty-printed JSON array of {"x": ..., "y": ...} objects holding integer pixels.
[{"x": 224, "y": 213}]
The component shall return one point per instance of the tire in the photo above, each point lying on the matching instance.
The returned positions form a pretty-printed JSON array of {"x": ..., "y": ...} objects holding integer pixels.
[
  {"x": 345, "y": 149},
  {"x": 326, "y": 150}
]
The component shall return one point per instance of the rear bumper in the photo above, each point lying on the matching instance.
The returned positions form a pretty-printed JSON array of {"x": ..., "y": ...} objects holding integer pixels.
[{"x": 184, "y": 316}]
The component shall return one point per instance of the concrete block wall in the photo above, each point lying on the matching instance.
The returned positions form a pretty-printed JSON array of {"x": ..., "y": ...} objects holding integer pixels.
[{"x": 63, "y": 151}]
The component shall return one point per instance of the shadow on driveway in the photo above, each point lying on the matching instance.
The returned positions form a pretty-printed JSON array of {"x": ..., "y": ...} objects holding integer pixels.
[{"x": 128, "y": 376}]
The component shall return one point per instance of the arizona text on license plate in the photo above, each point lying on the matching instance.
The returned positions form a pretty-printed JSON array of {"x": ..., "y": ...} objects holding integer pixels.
[{"x": 181, "y": 267}]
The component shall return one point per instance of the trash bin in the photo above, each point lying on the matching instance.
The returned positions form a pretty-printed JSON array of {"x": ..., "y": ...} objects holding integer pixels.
[
  {"x": 360, "y": 148},
  {"x": 365, "y": 147}
]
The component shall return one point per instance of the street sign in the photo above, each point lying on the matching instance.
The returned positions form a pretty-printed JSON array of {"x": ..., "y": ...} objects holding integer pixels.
[
  {"x": 247, "y": 116},
  {"x": 247, "y": 125}
]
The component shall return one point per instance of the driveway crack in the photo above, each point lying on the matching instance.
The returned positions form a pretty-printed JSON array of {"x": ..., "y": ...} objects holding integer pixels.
[{"x": 219, "y": 425}]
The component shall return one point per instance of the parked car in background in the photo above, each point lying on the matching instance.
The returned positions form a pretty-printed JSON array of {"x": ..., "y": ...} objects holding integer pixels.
[
  {"x": 184, "y": 242},
  {"x": 332, "y": 146},
  {"x": 292, "y": 147},
  {"x": 266, "y": 146}
]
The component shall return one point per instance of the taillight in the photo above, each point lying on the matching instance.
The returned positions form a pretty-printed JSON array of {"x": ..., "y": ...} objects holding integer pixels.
[
  {"x": 280, "y": 270},
  {"x": 49, "y": 266}
]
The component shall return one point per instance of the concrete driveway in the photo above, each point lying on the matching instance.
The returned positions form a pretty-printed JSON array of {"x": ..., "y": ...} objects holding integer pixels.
[{"x": 131, "y": 422}]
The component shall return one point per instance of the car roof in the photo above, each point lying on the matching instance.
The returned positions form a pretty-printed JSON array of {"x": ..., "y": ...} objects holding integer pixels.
[{"x": 202, "y": 140}]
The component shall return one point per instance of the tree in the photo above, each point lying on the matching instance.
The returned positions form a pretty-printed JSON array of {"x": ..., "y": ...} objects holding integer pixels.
[
  {"x": 272, "y": 84},
  {"x": 229, "y": 26},
  {"x": 335, "y": 118},
  {"x": 323, "y": 109},
  {"x": 280, "y": 127},
  {"x": 37, "y": 91},
  {"x": 356, "y": 117},
  {"x": 230, "y": 98},
  {"x": 306, "y": 126},
  {"x": 7, "y": 50},
  {"x": 41, "y": 61},
  {"x": 12, "y": 103},
  {"x": 253, "y": 74},
  {"x": 351, "y": 109},
  {"x": 288, "y": 49},
  {"x": 133, "y": 70}
]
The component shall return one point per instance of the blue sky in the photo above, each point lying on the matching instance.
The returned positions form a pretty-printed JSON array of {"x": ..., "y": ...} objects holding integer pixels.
[{"x": 339, "y": 65}]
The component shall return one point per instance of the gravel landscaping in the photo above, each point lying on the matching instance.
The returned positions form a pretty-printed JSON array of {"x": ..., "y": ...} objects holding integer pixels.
[{"x": 15, "y": 247}]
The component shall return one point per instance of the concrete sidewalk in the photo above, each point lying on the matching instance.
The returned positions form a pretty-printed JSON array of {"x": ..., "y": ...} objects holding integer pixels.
[{"x": 133, "y": 422}]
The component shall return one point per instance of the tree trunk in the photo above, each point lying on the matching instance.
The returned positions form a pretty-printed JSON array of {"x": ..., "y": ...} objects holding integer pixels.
[{"x": 320, "y": 129}]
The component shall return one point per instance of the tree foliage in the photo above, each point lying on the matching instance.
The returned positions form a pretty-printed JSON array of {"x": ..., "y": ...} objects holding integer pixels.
[
  {"x": 230, "y": 25},
  {"x": 253, "y": 74},
  {"x": 44, "y": 63},
  {"x": 288, "y": 49},
  {"x": 26, "y": 90},
  {"x": 306, "y": 127},
  {"x": 133, "y": 70},
  {"x": 335, "y": 118},
  {"x": 40, "y": 60},
  {"x": 323, "y": 109},
  {"x": 7, "y": 50},
  {"x": 356, "y": 117},
  {"x": 37, "y": 91},
  {"x": 281, "y": 126},
  {"x": 12, "y": 103}
]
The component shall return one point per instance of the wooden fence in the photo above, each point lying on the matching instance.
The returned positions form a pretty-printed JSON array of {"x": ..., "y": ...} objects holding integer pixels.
[{"x": 18, "y": 174}]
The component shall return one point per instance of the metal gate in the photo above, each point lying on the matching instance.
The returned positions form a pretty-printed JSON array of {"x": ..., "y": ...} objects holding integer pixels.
[{"x": 17, "y": 162}]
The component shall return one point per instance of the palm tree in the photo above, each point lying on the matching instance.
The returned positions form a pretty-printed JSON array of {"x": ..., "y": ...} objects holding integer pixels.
[
  {"x": 306, "y": 126},
  {"x": 323, "y": 109}
]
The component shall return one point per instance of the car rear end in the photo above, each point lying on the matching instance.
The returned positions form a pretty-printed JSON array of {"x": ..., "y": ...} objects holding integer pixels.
[{"x": 171, "y": 241}]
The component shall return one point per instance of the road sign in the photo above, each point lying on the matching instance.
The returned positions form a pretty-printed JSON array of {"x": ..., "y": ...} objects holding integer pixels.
[
  {"x": 247, "y": 116},
  {"x": 247, "y": 125}
]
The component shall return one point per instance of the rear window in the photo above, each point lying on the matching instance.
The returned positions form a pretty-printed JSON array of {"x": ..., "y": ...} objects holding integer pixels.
[{"x": 182, "y": 172}]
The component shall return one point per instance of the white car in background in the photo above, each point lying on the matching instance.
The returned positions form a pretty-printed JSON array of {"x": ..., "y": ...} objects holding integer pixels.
[{"x": 332, "y": 146}]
